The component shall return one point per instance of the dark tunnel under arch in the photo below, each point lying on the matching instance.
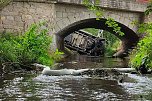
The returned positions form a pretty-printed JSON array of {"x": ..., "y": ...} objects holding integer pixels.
[{"x": 129, "y": 40}]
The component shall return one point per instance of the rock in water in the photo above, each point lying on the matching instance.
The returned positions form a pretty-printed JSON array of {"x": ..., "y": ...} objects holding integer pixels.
[{"x": 143, "y": 69}]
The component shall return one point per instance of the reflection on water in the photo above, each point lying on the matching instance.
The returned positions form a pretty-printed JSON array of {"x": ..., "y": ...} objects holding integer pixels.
[
  {"x": 83, "y": 61},
  {"x": 36, "y": 87}
]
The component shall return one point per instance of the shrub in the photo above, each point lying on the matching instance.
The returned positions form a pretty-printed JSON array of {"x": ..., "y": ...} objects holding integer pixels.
[
  {"x": 33, "y": 46},
  {"x": 143, "y": 52}
]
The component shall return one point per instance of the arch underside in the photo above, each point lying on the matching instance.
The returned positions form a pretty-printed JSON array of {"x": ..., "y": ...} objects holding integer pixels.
[{"x": 129, "y": 40}]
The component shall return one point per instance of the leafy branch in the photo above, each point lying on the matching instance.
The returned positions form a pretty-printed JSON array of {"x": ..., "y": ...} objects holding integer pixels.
[
  {"x": 149, "y": 8},
  {"x": 143, "y": 51},
  {"x": 3, "y": 3},
  {"x": 93, "y": 6}
]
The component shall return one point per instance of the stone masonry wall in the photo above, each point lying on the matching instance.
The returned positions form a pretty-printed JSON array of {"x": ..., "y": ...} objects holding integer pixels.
[
  {"x": 67, "y": 14},
  {"x": 17, "y": 16}
]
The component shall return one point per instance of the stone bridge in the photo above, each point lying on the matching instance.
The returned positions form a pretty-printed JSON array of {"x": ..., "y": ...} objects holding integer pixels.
[{"x": 67, "y": 16}]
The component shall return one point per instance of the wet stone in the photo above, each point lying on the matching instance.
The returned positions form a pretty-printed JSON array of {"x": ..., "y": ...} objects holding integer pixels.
[{"x": 104, "y": 73}]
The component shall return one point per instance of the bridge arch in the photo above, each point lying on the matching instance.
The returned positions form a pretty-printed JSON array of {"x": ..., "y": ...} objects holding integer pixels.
[{"x": 129, "y": 40}]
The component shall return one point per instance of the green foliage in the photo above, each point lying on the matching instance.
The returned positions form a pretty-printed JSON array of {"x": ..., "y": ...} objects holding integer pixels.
[
  {"x": 112, "y": 42},
  {"x": 112, "y": 46},
  {"x": 33, "y": 46},
  {"x": 143, "y": 52},
  {"x": 7, "y": 49},
  {"x": 92, "y": 31},
  {"x": 93, "y": 6},
  {"x": 149, "y": 8},
  {"x": 3, "y": 3},
  {"x": 113, "y": 24}
]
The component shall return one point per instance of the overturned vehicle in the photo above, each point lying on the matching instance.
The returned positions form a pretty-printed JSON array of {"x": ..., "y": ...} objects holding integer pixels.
[{"x": 85, "y": 43}]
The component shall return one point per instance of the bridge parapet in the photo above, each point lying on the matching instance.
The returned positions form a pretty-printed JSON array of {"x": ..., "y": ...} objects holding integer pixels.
[
  {"x": 127, "y": 5},
  {"x": 42, "y": 1},
  {"x": 19, "y": 14}
]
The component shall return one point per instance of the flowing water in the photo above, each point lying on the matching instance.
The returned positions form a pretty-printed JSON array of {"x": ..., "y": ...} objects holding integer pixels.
[{"x": 32, "y": 86}]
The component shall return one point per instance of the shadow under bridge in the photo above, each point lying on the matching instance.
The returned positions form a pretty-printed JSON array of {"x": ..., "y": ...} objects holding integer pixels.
[{"x": 129, "y": 39}]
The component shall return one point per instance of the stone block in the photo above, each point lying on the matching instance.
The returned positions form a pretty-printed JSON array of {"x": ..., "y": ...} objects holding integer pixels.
[
  {"x": 51, "y": 20},
  {"x": 27, "y": 17},
  {"x": 8, "y": 26},
  {"x": 126, "y": 22},
  {"x": 64, "y": 14},
  {"x": 61, "y": 24},
  {"x": 131, "y": 26},
  {"x": 18, "y": 18},
  {"x": 135, "y": 28},
  {"x": 2, "y": 18},
  {"x": 29, "y": 22},
  {"x": 9, "y": 30},
  {"x": 66, "y": 21},
  {"x": 117, "y": 18},
  {"x": 77, "y": 17},
  {"x": 10, "y": 7},
  {"x": 61, "y": 8},
  {"x": 40, "y": 11},
  {"x": 48, "y": 12},
  {"x": 70, "y": 14},
  {"x": 1, "y": 23},
  {"x": 92, "y": 15},
  {"x": 18, "y": 5},
  {"x": 2, "y": 30},
  {"x": 121, "y": 19},
  {"x": 57, "y": 28},
  {"x": 71, "y": 18},
  {"x": 52, "y": 14},
  {"x": 19, "y": 23},
  {"x": 57, "y": 20},
  {"x": 31, "y": 10},
  {"x": 19, "y": 29},
  {"x": 59, "y": 14},
  {"x": 8, "y": 22},
  {"x": 8, "y": 13},
  {"x": 27, "y": 5}
]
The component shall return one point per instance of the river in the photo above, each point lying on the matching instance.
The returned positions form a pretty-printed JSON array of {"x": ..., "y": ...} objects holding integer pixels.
[{"x": 33, "y": 86}]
